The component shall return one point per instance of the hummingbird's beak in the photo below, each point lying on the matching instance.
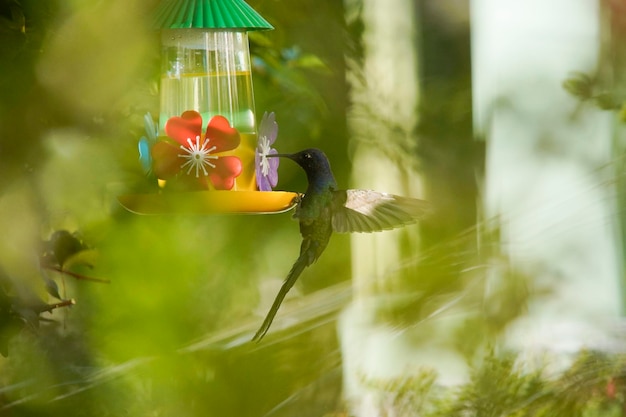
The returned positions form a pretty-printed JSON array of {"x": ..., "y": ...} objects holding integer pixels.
[{"x": 280, "y": 155}]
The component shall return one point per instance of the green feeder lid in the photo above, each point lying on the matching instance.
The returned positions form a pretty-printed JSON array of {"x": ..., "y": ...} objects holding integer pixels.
[{"x": 209, "y": 14}]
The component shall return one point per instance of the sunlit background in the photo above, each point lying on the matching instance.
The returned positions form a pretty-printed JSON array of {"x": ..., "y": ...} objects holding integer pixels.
[{"x": 507, "y": 300}]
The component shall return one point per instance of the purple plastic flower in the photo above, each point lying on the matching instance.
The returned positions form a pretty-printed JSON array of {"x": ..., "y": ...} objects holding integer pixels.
[{"x": 266, "y": 168}]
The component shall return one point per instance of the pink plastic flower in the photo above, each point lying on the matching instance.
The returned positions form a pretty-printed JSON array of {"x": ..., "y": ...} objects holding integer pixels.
[{"x": 198, "y": 155}]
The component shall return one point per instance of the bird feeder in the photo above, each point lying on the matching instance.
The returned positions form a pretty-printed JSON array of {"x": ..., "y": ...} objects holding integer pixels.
[{"x": 206, "y": 83}]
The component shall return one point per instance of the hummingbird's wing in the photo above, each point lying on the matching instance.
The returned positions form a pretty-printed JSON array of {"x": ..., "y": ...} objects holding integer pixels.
[{"x": 373, "y": 211}]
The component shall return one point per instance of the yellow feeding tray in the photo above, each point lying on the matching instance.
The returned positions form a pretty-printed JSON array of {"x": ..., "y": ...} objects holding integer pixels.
[{"x": 210, "y": 202}]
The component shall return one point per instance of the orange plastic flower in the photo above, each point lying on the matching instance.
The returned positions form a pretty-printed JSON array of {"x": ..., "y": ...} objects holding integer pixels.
[{"x": 197, "y": 154}]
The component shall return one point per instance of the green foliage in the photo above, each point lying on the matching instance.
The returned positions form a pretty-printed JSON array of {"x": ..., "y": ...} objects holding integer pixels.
[
  {"x": 498, "y": 385},
  {"x": 496, "y": 388},
  {"x": 412, "y": 396},
  {"x": 591, "y": 89}
]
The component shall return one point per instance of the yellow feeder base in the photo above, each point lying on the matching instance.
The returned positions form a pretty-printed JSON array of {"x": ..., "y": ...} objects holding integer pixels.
[{"x": 210, "y": 202}]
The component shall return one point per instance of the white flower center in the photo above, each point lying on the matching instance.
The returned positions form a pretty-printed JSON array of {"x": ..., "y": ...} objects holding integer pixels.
[
  {"x": 264, "y": 145},
  {"x": 198, "y": 157}
]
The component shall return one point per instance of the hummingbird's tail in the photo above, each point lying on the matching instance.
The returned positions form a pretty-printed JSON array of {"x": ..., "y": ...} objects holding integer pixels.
[{"x": 302, "y": 262}]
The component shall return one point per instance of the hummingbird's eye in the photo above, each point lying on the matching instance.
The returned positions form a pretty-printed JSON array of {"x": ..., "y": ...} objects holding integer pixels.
[{"x": 307, "y": 155}]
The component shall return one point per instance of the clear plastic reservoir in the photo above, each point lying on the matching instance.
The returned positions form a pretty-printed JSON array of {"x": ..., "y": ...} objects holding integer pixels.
[{"x": 208, "y": 70}]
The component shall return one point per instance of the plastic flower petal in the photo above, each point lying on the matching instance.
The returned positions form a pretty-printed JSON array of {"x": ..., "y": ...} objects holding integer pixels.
[
  {"x": 221, "y": 135},
  {"x": 151, "y": 130},
  {"x": 198, "y": 155},
  {"x": 144, "y": 155},
  {"x": 146, "y": 143},
  {"x": 166, "y": 163},
  {"x": 188, "y": 125},
  {"x": 266, "y": 168},
  {"x": 226, "y": 169}
]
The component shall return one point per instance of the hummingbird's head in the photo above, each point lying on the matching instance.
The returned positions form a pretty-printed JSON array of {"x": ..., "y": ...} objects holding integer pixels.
[{"x": 314, "y": 162}]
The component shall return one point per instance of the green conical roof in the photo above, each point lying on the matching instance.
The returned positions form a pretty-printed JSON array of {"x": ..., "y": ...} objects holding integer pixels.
[{"x": 209, "y": 14}]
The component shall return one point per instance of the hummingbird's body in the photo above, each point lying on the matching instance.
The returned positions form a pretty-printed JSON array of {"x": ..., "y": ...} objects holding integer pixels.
[{"x": 324, "y": 209}]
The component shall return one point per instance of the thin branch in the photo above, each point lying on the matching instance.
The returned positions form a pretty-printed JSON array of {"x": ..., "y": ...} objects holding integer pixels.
[
  {"x": 64, "y": 303},
  {"x": 78, "y": 276}
]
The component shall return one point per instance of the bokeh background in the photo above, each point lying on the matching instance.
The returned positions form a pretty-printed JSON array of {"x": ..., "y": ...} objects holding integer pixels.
[{"x": 507, "y": 300}]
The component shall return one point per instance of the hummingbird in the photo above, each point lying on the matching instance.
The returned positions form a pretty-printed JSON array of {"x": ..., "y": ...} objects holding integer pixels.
[{"x": 324, "y": 209}]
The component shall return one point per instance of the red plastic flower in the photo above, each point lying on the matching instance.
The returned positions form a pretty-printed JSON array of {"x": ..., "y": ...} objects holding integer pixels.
[{"x": 198, "y": 155}]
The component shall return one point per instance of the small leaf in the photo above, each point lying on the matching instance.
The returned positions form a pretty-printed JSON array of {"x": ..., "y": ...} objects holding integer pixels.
[
  {"x": 61, "y": 246},
  {"x": 606, "y": 101},
  {"x": 579, "y": 85},
  {"x": 51, "y": 286}
]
